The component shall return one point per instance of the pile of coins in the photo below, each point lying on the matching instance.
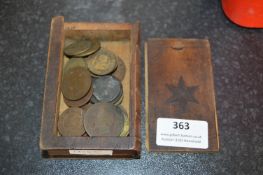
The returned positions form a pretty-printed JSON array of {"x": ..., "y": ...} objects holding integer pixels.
[{"x": 92, "y": 90}]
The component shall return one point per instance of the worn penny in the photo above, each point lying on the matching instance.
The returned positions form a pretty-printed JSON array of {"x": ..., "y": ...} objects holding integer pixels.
[
  {"x": 121, "y": 69},
  {"x": 74, "y": 62},
  {"x": 103, "y": 119},
  {"x": 76, "y": 83},
  {"x": 106, "y": 88},
  {"x": 116, "y": 101},
  {"x": 95, "y": 45},
  {"x": 102, "y": 62},
  {"x": 77, "y": 47},
  {"x": 68, "y": 41},
  {"x": 70, "y": 122},
  {"x": 80, "y": 102}
]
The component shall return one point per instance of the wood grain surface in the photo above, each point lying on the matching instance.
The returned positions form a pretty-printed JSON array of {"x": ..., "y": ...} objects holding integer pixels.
[
  {"x": 120, "y": 38},
  {"x": 174, "y": 66}
]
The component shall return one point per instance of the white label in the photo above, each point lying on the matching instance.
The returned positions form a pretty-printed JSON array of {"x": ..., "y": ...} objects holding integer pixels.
[
  {"x": 182, "y": 133},
  {"x": 91, "y": 152}
]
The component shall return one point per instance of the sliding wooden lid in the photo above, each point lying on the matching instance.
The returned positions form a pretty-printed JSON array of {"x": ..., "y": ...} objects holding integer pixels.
[{"x": 179, "y": 85}]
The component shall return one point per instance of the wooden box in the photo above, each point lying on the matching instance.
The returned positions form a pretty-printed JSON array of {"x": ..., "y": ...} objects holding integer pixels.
[
  {"x": 179, "y": 86},
  {"x": 122, "y": 39}
]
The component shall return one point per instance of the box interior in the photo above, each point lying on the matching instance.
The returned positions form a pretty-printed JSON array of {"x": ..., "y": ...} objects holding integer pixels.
[{"x": 117, "y": 41}]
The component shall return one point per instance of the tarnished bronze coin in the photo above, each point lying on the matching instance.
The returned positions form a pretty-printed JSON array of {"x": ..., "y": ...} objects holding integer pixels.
[
  {"x": 80, "y": 102},
  {"x": 106, "y": 88},
  {"x": 103, "y": 119},
  {"x": 76, "y": 83},
  {"x": 116, "y": 101},
  {"x": 75, "y": 62},
  {"x": 68, "y": 41},
  {"x": 126, "y": 126},
  {"x": 95, "y": 45},
  {"x": 121, "y": 70},
  {"x": 70, "y": 122},
  {"x": 77, "y": 47},
  {"x": 102, "y": 62}
]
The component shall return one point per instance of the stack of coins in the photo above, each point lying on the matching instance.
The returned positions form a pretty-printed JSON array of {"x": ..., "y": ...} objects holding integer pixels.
[{"x": 92, "y": 89}]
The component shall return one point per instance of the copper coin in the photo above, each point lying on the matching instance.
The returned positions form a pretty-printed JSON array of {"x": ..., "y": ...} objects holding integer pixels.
[
  {"x": 95, "y": 45},
  {"x": 68, "y": 41},
  {"x": 70, "y": 122},
  {"x": 106, "y": 88},
  {"x": 115, "y": 101},
  {"x": 76, "y": 83},
  {"x": 121, "y": 70},
  {"x": 126, "y": 126},
  {"x": 75, "y": 62},
  {"x": 102, "y": 62},
  {"x": 77, "y": 47},
  {"x": 103, "y": 119},
  {"x": 80, "y": 102}
]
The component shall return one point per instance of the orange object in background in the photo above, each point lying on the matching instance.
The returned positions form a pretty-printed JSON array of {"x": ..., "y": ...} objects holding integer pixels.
[{"x": 246, "y": 13}]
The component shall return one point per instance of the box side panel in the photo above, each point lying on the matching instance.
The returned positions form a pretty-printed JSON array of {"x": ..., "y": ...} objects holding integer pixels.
[
  {"x": 53, "y": 74},
  {"x": 135, "y": 96}
]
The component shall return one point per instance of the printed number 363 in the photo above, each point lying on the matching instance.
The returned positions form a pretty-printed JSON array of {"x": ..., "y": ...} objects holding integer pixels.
[{"x": 181, "y": 125}]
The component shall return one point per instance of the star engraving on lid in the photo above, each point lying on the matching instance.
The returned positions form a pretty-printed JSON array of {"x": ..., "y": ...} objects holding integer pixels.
[{"x": 182, "y": 95}]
